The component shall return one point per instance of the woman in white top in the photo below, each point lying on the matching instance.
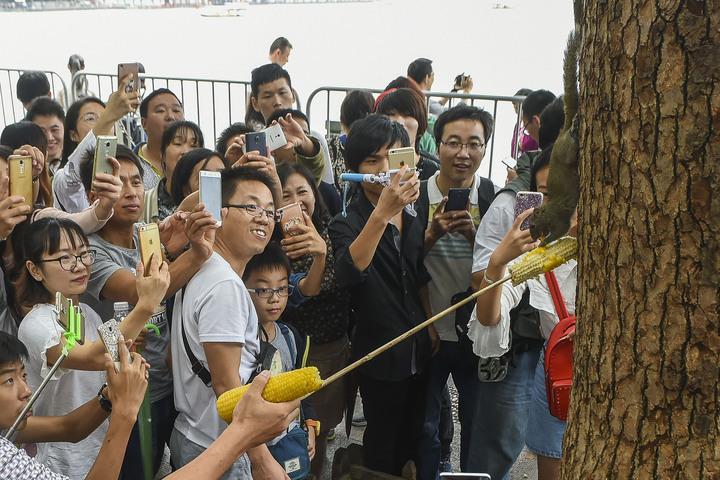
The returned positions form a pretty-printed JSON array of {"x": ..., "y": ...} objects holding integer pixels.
[
  {"x": 57, "y": 259},
  {"x": 489, "y": 330}
]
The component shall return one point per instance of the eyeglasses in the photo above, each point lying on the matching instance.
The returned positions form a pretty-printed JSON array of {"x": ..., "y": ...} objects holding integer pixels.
[
  {"x": 256, "y": 211},
  {"x": 456, "y": 146},
  {"x": 269, "y": 292},
  {"x": 69, "y": 262}
]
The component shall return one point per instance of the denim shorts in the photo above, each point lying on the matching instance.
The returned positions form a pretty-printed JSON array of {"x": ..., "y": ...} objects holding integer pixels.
[{"x": 544, "y": 432}]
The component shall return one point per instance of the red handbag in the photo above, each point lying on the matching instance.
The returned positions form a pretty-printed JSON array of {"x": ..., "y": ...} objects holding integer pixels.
[{"x": 559, "y": 355}]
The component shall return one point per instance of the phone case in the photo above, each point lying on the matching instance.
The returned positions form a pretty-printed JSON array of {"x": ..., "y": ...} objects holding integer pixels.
[
  {"x": 105, "y": 147},
  {"x": 274, "y": 137},
  {"x": 21, "y": 184},
  {"x": 110, "y": 335},
  {"x": 149, "y": 236},
  {"x": 397, "y": 157},
  {"x": 211, "y": 193},
  {"x": 134, "y": 69},
  {"x": 457, "y": 199},
  {"x": 256, "y": 141},
  {"x": 290, "y": 217},
  {"x": 525, "y": 201}
]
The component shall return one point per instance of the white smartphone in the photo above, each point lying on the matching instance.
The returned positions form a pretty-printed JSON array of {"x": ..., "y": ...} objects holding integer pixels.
[
  {"x": 274, "y": 137},
  {"x": 110, "y": 336},
  {"x": 211, "y": 193}
]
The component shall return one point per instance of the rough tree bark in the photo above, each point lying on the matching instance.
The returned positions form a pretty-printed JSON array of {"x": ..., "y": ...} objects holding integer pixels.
[{"x": 646, "y": 395}]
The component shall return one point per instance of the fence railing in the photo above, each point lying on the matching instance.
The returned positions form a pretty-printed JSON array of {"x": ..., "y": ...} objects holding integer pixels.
[
  {"x": 501, "y": 107},
  {"x": 11, "y": 109}
]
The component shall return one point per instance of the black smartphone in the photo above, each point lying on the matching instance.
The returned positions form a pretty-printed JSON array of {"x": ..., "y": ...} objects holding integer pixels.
[
  {"x": 256, "y": 141},
  {"x": 457, "y": 199}
]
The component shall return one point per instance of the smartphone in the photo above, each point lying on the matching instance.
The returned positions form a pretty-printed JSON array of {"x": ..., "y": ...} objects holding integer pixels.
[
  {"x": 457, "y": 199},
  {"x": 21, "y": 183},
  {"x": 525, "y": 201},
  {"x": 256, "y": 141},
  {"x": 274, "y": 137},
  {"x": 507, "y": 164},
  {"x": 149, "y": 244},
  {"x": 105, "y": 147},
  {"x": 465, "y": 476},
  {"x": 211, "y": 193},
  {"x": 110, "y": 335},
  {"x": 133, "y": 69},
  {"x": 70, "y": 316},
  {"x": 397, "y": 157},
  {"x": 290, "y": 217}
]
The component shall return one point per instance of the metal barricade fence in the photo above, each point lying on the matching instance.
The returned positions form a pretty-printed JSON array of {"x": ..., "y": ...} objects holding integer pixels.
[
  {"x": 11, "y": 109},
  {"x": 501, "y": 108},
  {"x": 212, "y": 104}
]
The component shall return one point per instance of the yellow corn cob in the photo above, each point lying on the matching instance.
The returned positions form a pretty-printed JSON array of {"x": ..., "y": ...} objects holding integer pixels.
[
  {"x": 543, "y": 259},
  {"x": 283, "y": 387}
]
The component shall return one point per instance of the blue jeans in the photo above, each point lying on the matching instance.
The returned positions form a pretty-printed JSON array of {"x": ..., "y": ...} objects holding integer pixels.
[
  {"x": 163, "y": 415},
  {"x": 446, "y": 362},
  {"x": 501, "y": 418}
]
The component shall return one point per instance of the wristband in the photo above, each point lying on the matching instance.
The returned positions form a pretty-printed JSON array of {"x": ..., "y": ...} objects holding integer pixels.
[
  {"x": 487, "y": 280},
  {"x": 105, "y": 402}
]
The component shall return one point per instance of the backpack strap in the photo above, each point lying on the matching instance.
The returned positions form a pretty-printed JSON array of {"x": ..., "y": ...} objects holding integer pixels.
[
  {"x": 556, "y": 295},
  {"x": 197, "y": 367},
  {"x": 300, "y": 347},
  {"x": 486, "y": 195}
]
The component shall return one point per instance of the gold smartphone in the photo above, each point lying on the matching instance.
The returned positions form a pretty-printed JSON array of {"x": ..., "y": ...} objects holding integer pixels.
[
  {"x": 149, "y": 244},
  {"x": 132, "y": 69},
  {"x": 68, "y": 313},
  {"x": 21, "y": 182},
  {"x": 290, "y": 217},
  {"x": 105, "y": 147},
  {"x": 397, "y": 157}
]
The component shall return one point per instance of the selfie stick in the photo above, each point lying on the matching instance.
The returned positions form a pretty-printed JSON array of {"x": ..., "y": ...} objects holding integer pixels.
[
  {"x": 382, "y": 178},
  {"x": 534, "y": 263},
  {"x": 72, "y": 335}
]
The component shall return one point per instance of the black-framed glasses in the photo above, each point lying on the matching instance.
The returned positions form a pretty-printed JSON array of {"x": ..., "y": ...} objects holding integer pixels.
[
  {"x": 69, "y": 262},
  {"x": 269, "y": 292},
  {"x": 455, "y": 145},
  {"x": 256, "y": 211}
]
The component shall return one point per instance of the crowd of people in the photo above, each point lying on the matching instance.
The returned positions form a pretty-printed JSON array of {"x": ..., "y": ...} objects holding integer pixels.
[{"x": 237, "y": 299}]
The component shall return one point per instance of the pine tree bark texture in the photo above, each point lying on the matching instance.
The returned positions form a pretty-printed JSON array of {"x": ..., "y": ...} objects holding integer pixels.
[{"x": 646, "y": 393}]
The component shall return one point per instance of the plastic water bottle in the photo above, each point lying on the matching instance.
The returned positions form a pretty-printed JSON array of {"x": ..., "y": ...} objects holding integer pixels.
[{"x": 121, "y": 310}]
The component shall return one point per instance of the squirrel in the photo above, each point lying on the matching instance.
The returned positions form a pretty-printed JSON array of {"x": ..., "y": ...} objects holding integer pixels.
[{"x": 551, "y": 221}]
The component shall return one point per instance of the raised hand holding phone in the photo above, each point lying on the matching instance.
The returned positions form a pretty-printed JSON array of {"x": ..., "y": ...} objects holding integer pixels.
[{"x": 525, "y": 201}]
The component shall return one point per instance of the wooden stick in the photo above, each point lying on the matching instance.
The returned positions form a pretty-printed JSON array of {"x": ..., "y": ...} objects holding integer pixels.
[{"x": 411, "y": 332}]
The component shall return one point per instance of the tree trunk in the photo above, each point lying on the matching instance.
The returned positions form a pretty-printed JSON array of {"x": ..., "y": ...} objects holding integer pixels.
[{"x": 645, "y": 401}]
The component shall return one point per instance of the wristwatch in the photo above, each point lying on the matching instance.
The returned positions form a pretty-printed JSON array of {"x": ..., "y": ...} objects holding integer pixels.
[
  {"x": 314, "y": 424},
  {"x": 105, "y": 402}
]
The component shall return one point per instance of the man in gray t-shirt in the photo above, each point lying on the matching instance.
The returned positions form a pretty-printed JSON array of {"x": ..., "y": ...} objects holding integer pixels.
[{"x": 113, "y": 280}]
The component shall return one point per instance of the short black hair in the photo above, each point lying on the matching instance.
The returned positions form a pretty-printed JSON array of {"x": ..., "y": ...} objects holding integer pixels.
[
  {"x": 273, "y": 257},
  {"x": 145, "y": 105},
  {"x": 45, "y": 106},
  {"x": 408, "y": 103},
  {"x": 177, "y": 126},
  {"x": 11, "y": 349},
  {"x": 5, "y": 152},
  {"x": 282, "y": 43},
  {"x": 265, "y": 74},
  {"x": 541, "y": 161},
  {"x": 462, "y": 112},
  {"x": 552, "y": 119},
  {"x": 419, "y": 69},
  {"x": 22, "y": 133},
  {"x": 357, "y": 104},
  {"x": 535, "y": 102},
  {"x": 404, "y": 82},
  {"x": 368, "y": 135},
  {"x": 184, "y": 168},
  {"x": 281, "y": 112},
  {"x": 31, "y": 85},
  {"x": 122, "y": 153},
  {"x": 523, "y": 92},
  {"x": 232, "y": 177},
  {"x": 237, "y": 128},
  {"x": 71, "y": 120}
]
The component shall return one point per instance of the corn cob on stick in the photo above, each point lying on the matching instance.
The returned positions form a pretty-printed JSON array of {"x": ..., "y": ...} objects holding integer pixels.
[
  {"x": 301, "y": 383},
  {"x": 283, "y": 387}
]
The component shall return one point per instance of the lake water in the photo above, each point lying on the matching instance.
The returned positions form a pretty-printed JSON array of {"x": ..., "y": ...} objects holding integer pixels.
[{"x": 348, "y": 44}]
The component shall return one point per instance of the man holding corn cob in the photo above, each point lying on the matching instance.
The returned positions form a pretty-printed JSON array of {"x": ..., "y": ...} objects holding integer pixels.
[{"x": 215, "y": 343}]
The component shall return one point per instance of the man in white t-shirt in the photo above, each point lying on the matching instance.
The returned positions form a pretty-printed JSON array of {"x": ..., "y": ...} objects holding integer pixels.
[
  {"x": 215, "y": 326},
  {"x": 462, "y": 133}
]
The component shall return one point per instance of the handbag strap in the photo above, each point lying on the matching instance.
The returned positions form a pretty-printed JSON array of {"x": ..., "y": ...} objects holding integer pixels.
[{"x": 556, "y": 295}]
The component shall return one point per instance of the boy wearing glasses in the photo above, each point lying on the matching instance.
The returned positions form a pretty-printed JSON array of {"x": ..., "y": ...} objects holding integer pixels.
[{"x": 272, "y": 286}]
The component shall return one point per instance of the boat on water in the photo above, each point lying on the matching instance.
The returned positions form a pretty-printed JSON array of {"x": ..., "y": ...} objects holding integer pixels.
[{"x": 229, "y": 9}]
